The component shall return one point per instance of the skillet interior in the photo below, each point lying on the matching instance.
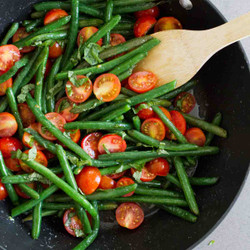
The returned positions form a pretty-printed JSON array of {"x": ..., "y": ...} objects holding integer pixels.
[{"x": 224, "y": 86}]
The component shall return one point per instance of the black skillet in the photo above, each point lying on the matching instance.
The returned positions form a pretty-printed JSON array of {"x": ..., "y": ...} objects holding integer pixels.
[{"x": 224, "y": 86}]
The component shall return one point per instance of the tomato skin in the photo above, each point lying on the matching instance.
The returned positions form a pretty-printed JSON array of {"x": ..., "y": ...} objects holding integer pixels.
[
  {"x": 154, "y": 128},
  {"x": 88, "y": 179},
  {"x": 107, "y": 183},
  {"x": 125, "y": 181},
  {"x": 8, "y": 124},
  {"x": 185, "y": 102},
  {"x": 9, "y": 54},
  {"x": 158, "y": 167},
  {"x": 107, "y": 87},
  {"x": 3, "y": 191},
  {"x": 5, "y": 85},
  {"x": 142, "y": 81},
  {"x": 79, "y": 94},
  {"x": 113, "y": 143},
  {"x": 117, "y": 175},
  {"x": 90, "y": 144},
  {"x": 143, "y": 25},
  {"x": 146, "y": 176},
  {"x": 12, "y": 164},
  {"x": 167, "y": 23},
  {"x": 129, "y": 215},
  {"x": 86, "y": 33},
  {"x": 116, "y": 39},
  {"x": 65, "y": 113},
  {"x": 27, "y": 116},
  {"x": 21, "y": 193},
  {"x": 54, "y": 15},
  {"x": 154, "y": 12},
  {"x": 195, "y": 136},
  {"x": 55, "y": 50},
  {"x": 9, "y": 144},
  {"x": 145, "y": 113}
]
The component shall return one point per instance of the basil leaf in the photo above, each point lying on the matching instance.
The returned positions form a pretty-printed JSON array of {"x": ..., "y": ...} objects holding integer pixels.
[
  {"x": 21, "y": 98},
  {"x": 91, "y": 53}
]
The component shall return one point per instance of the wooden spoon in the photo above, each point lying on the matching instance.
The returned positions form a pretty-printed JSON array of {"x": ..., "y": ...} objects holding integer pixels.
[{"x": 182, "y": 53}]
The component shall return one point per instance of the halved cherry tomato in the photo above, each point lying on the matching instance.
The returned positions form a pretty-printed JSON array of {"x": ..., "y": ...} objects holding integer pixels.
[
  {"x": 142, "y": 81},
  {"x": 88, "y": 179},
  {"x": 185, "y": 102},
  {"x": 12, "y": 164},
  {"x": 63, "y": 107},
  {"x": 154, "y": 128},
  {"x": 48, "y": 154},
  {"x": 21, "y": 193},
  {"x": 79, "y": 94},
  {"x": 26, "y": 115},
  {"x": 40, "y": 158},
  {"x": 143, "y": 25},
  {"x": 167, "y": 23},
  {"x": 129, "y": 215},
  {"x": 116, "y": 39},
  {"x": 5, "y": 85},
  {"x": 20, "y": 34},
  {"x": 107, "y": 87},
  {"x": 57, "y": 120},
  {"x": 145, "y": 175},
  {"x": 117, "y": 175},
  {"x": 195, "y": 136},
  {"x": 29, "y": 141},
  {"x": 125, "y": 181},
  {"x": 55, "y": 50},
  {"x": 90, "y": 144},
  {"x": 86, "y": 33},
  {"x": 145, "y": 113},
  {"x": 9, "y": 144},
  {"x": 112, "y": 143},
  {"x": 75, "y": 136},
  {"x": 180, "y": 123},
  {"x": 107, "y": 183},
  {"x": 158, "y": 166},
  {"x": 8, "y": 124},
  {"x": 166, "y": 113},
  {"x": 54, "y": 15},
  {"x": 3, "y": 191},
  {"x": 9, "y": 54},
  {"x": 154, "y": 12}
]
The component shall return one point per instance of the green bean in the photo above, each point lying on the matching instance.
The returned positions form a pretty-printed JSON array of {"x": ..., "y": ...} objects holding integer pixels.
[
  {"x": 90, "y": 22},
  {"x": 171, "y": 178},
  {"x": 186, "y": 186},
  {"x": 203, "y": 181},
  {"x": 44, "y": 214},
  {"x": 33, "y": 24},
  {"x": 107, "y": 16},
  {"x": 13, "y": 29},
  {"x": 137, "y": 123},
  {"x": 134, "y": 8},
  {"x": 10, "y": 189},
  {"x": 86, "y": 106},
  {"x": 29, "y": 191},
  {"x": 128, "y": 92},
  {"x": 116, "y": 113},
  {"x": 38, "y": 14},
  {"x": 46, "y": 29},
  {"x": 13, "y": 106},
  {"x": 82, "y": 215},
  {"x": 179, "y": 212},
  {"x": 107, "y": 206},
  {"x": 59, "y": 198},
  {"x": 127, "y": 33},
  {"x": 58, "y": 206},
  {"x": 55, "y": 131},
  {"x": 124, "y": 26},
  {"x": 40, "y": 76},
  {"x": 153, "y": 184},
  {"x": 124, "y": 75}
]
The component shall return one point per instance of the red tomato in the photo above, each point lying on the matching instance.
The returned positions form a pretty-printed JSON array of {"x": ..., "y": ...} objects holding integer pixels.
[
  {"x": 167, "y": 23},
  {"x": 129, "y": 215},
  {"x": 107, "y": 183},
  {"x": 88, "y": 179},
  {"x": 9, "y": 144},
  {"x": 116, "y": 39},
  {"x": 40, "y": 158},
  {"x": 145, "y": 113},
  {"x": 20, "y": 34},
  {"x": 117, "y": 175},
  {"x": 12, "y": 164},
  {"x": 8, "y": 124},
  {"x": 54, "y": 15},
  {"x": 21, "y": 193},
  {"x": 158, "y": 166},
  {"x": 142, "y": 81},
  {"x": 145, "y": 176},
  {"x": 63, "y": 107},
  {"x": 3, "y": 191},
  {"x": 79, "y": 94},
  {"x": 26, "y": 115},
  {"x": 55, "y": 50},
  {"x": 185, "y": 102},
  {"x": 28, "y": 139},
  {"x": 90, "y": 144},
  {"x": 154, "y": 12},
  {"x": 107, "y": 87},
  {"x": 113, "y": 143},
  {"x": 195, "y": 136},
  {"x": 5, "y": 85},
  {"x": 48, "y": 68},
  {"x": 154, "y": 128},
  {"x": 75, "y": 136},
  {"x": 86, "y": 33},
  {"x": 143, "y": 25},
  {"x": 9, "y": 54},
  {"x": 180, "y": 123},
  {"x": 57, "y": 120},
  {"x": 125, "y": 181},
  {"x": 48, "y": 154}
]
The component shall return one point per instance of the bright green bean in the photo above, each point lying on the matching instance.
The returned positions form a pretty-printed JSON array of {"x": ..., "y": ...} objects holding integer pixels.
[
  {"x": 124, "y": 75},
  {"x": 107, "y": 18},
  {"x": 33, "y": 24},
  {"x": 116, "y": 113},
  {"x": 216, "y": 121},
  {"x": 44, "y": 214},
  {"x": 29, "y": 191},
  {"x": 134, "y": 8},
  {"x": 137, "y": 123},
  {"x": 38, "y": 14},
  {"x": 13, "y": 29}
]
